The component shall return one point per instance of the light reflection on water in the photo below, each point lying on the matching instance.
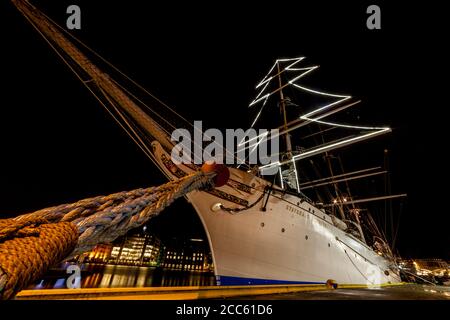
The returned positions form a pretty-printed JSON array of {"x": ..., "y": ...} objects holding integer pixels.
[{"x": 114, "y": 276}]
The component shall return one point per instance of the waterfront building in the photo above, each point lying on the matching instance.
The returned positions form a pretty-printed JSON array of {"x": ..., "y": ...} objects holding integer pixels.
[
  {"x": 424, "y": 267},
  {"x": 138, "y": 249},
  {"x": 144, "y": 249},
  {"x": 187, "y": 255}
]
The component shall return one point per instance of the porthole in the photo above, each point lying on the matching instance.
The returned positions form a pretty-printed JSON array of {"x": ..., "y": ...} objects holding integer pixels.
[
  {"x": 329, "y": 245},
  {"x": 386, "y": 272},
  {"x": 262, "y": 224},
  {"x": 283, "y": 230},
  {"x": 216, "y": 207},
  {"x": 313, "y": 211},
  {"x": 306, "y": 237},
  {"x": 298, "y": 203}
]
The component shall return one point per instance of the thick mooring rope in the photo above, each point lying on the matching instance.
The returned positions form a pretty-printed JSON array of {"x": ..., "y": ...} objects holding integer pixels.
[
  {"x": 31, "y": 243},
  {"x": 32, "y": 249}
]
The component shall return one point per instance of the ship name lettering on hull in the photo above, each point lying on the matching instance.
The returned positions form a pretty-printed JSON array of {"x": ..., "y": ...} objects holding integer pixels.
[{"x": 295, "y": 210}]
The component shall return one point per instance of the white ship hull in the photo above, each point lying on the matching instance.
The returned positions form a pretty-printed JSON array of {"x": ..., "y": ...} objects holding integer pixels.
[{"x": 290, "y": 242}]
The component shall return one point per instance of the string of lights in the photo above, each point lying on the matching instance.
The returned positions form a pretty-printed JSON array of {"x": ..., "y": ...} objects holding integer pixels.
[{"x": 313, "y": 116}]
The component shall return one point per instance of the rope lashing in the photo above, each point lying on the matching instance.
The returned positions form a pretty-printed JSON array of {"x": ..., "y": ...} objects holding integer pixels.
[{"x": 33, "y": 242}]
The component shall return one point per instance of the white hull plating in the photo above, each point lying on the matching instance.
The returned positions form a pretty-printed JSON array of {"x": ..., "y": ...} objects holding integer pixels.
[{"x": 291, "y": 241}]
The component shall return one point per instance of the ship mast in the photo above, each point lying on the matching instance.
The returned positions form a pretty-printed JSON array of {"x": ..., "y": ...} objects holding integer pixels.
[
  {"x": 290, "y": 173},
  {"x": 283, "y": 112}
]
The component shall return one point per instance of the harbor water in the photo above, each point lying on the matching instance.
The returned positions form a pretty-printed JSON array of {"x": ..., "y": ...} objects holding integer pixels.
[{"x": 119, "y": 276}]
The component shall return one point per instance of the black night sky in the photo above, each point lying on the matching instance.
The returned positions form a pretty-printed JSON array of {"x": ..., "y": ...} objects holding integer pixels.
[{"x": 204, "y": 59}]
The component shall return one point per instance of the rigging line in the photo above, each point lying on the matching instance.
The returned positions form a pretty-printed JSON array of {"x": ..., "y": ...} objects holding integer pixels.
[
  {"x": 145, "y": 105},
  {"x": 391, "y": 215},
  {"x": 316, "y": 170},
  {"x": 329, "y": 146},
  {"x": 327, "y": 189},
  {"x": 251, "y": 126},
  {"x": 373, "y": 225},
  {"x": 266, "y": 77},
  {"x": 79, "y": 77},
  {"x": 134, "y": 82},
  {"x": 401, "y": 195},
  {"x": 346, "y": 181},
  {"x": 129, "y": 78},
  {"x": 367, "y": 223},
  {"x": 137, "y": 139},
  {"x": 319, "y": 92},
  {"x": 136, "y": 135},
  {"x": 380, "y": 232},
  {"x": 318, "y": 173},
  {"x": 277, "y": 61},
  {"x": 343, "y": 180},
  {"x": 142, "y": 146},
  {"x": 258, "y": 98},
  {"x": 50, "y": 32},
  {"x": 124, "y": 118},
  {"x": 336, "y": 188},
  {"x": 345, "y": 251},
  {"x": 416, "y": 276},
  {"x": 166, "y": 121},
  {"x": 273, "y": 67},
  {"x": 116, "y": 69},
  {"x": 355, "y": 251},
  {"x": 123, "y": 74},
  {"x": 386, "y": 177},
  {"x": 318, "y": 194},
  {"x": 259, "y": 113},
  {"x": 146, "y": 139},
  {"x": 196, "y": 144},
  {"x": 301, "y": 122},
  {"x": 398, "y": 226},
  {"x": 340, "y": 175},
  {"x": 344, "y": 125}
]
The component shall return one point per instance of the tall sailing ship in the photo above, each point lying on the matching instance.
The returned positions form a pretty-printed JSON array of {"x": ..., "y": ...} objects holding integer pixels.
[{"x": 261, "y": 229}]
